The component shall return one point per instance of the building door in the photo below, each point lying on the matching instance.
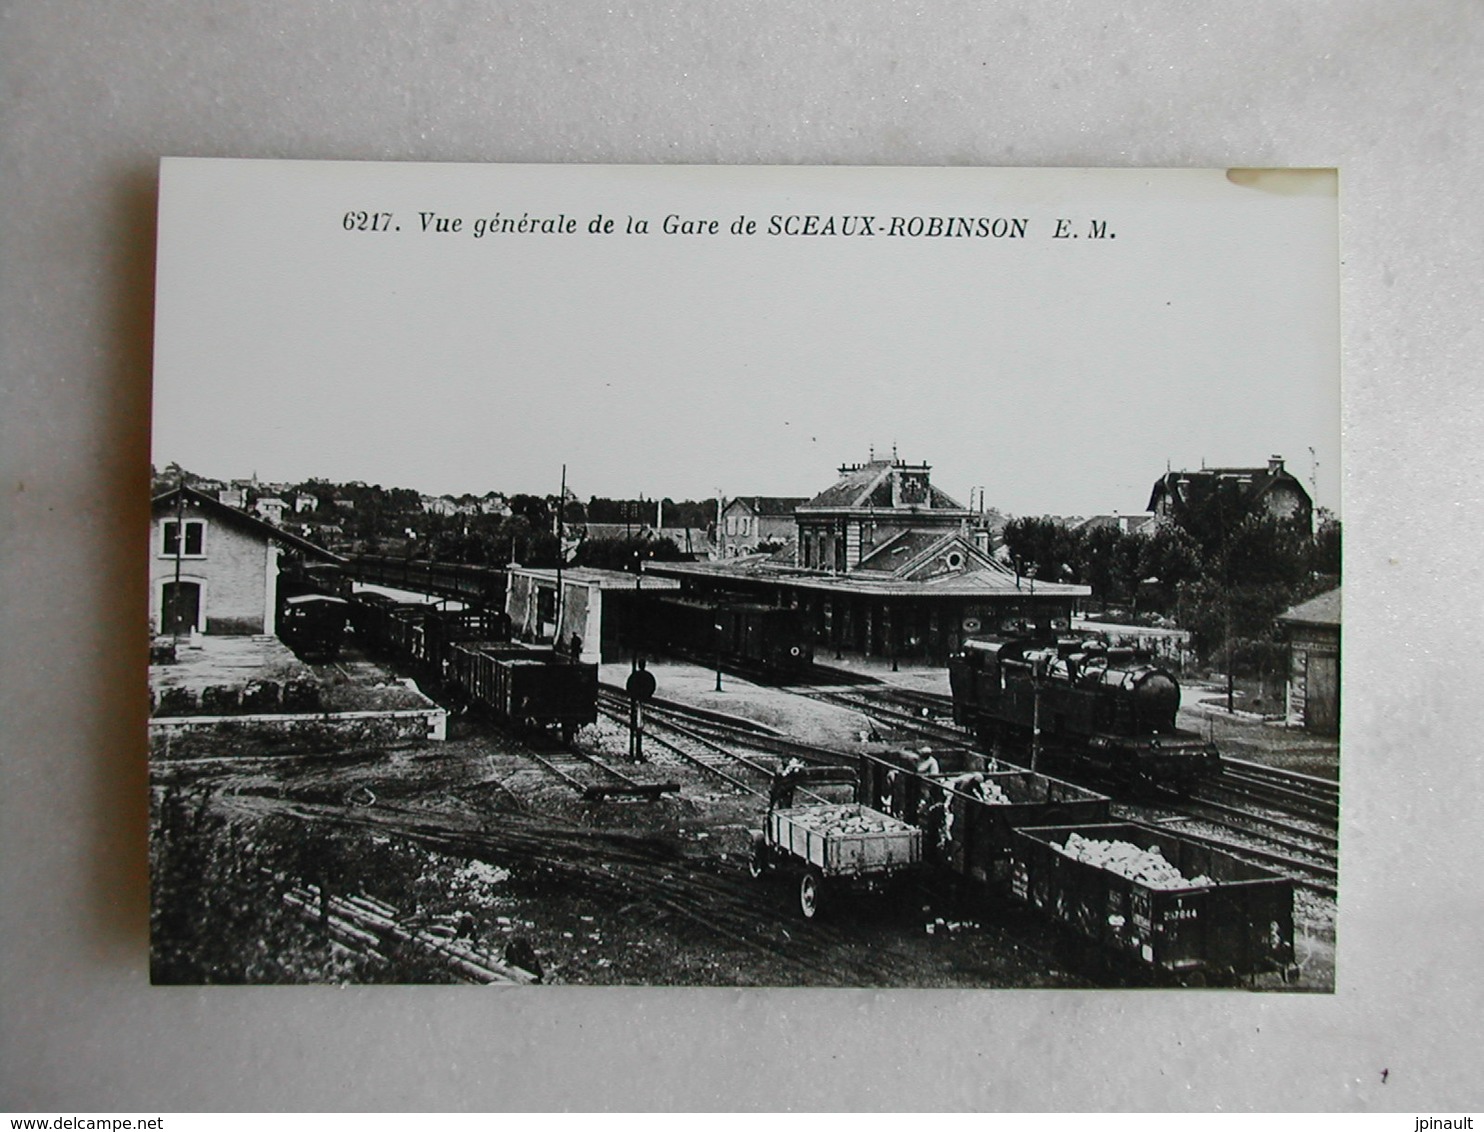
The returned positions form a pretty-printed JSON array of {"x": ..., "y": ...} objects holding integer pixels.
[
  {"x": 180, "y": 604},
  {"x": 1322, "y": 694}
]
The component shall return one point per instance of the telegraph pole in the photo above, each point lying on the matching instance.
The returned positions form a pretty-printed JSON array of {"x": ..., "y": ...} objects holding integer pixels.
[{"x": 556, "y": 629}]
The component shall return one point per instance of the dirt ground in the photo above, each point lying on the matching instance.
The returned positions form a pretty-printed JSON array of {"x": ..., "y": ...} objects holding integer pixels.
[{"x": 476, "y": 836}]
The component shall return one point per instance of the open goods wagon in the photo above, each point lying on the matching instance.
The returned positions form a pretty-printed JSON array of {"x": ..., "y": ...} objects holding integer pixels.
[
  {"x": 968, "y": 818},
  {"x": 527, "y": 685},
  {"x": 830, "y": 846},
  {"x": 434, "y": 634},
  {"x": 1164, "y": 903}
]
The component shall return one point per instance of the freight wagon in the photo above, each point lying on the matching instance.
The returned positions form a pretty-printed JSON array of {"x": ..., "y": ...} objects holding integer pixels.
[
  {"x": 313, "y": 625},
  {"x": 969, "y": 817},
  {"x": 1187, "y": 911},
  {"x": 469, "y": 652},
  {"x": 484, "y": 585},
  {"x": 527, "y": 685},
  {"x": 1164, "y": 903}
]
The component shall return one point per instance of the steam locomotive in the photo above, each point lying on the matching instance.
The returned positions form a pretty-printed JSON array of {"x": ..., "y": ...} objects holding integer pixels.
[{"x": 1101, "y": 713}]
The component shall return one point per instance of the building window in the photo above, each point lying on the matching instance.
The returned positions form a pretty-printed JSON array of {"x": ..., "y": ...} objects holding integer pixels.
[{"x": 195, "y": 539}]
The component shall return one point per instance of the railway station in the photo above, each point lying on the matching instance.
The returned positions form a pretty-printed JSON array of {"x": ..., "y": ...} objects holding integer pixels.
[
  {"x": 873, "y": 756},
  {"x": 886, "y": 565}
]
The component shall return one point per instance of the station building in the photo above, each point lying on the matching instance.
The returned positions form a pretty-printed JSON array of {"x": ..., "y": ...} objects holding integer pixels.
[
  {"x": 599, "y": 607},
  {"x": 886, "y": 565},
  {"x": 214, "y": 569}
]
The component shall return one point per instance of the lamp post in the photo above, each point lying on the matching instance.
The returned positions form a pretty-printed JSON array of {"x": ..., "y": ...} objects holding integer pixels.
[
  {"x": 1039, "y": 668},
  {"x": 716, "y": 630}
]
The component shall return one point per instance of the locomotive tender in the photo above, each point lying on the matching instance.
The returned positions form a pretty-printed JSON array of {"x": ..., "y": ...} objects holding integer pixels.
[{"x": 1105, "y": 713}]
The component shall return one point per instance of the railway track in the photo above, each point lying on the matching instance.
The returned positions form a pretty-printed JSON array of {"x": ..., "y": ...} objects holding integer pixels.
[
  {"x": 1280, "y": 819},
  {"x": 1300, "y": 796},
  {"x": 878, "y": 707},
  {"x": 1303, "y": 861},
  {"x": 596, "y": 780},
  {"x": 612, "y": 701},
  {"x": 640, "y": 874},
  {"x": 751, "y": 773}
]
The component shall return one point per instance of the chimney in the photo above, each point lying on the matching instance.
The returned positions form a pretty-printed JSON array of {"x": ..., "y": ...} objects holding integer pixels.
[{"x": 1275, "y": 465}]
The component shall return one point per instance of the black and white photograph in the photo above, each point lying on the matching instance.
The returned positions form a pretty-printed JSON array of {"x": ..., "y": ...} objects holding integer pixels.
[{"x": 756, "y": 577}]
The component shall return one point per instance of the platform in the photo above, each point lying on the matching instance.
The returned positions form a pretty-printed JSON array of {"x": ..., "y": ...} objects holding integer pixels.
[
  {"x": 782, "y": 709},
  {"x": 256, "y": 688}
]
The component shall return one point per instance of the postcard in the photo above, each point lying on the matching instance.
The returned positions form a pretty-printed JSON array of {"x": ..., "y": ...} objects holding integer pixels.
[{"x": 745, "y": 576}]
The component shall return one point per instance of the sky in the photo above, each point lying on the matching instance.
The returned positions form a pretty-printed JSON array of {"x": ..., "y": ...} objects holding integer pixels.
[{"x": 1062, "y": 375}]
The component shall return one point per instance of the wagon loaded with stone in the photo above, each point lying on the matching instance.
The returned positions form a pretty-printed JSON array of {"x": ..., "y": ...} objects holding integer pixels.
[
  {"x": 1149, "y": 899},
  {"x": 1168, "y": 904},
  {"x": 829, "y": 847}
]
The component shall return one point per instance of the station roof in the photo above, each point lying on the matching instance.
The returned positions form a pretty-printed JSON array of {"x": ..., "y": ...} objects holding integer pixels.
[
  {"x": 592, "y": 576},
  {"x": 868, "y": 487},
  {"x": 970, "y": 584}
]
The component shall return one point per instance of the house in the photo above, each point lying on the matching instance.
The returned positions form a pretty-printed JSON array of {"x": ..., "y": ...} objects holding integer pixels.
[
  {"x": 751, "y": 520},
  {"x": 213, "y": 568},
  {"x": 869, "y": 505},
  {"x": 270, "y": 508},
  {"x": 232, "y": 497},
  {"x": 693, "y": 542},
  {"x": 1275, "y": 490},
  {"x": 1313, "y": 632},
  {"x": 303, "y": 502},
  {"x": 1136, "y": 523}
]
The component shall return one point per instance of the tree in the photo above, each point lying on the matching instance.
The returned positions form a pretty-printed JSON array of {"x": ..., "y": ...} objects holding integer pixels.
[
  {"x": 1327, "y": 541},
  {"x": 1039, "y": 547},
  {"x": 533, "y": 509},
  {"x": 623, "y": 553}
]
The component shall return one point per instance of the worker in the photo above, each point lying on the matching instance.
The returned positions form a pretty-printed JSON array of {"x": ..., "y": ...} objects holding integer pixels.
[{"x": 781, "y": 796}]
